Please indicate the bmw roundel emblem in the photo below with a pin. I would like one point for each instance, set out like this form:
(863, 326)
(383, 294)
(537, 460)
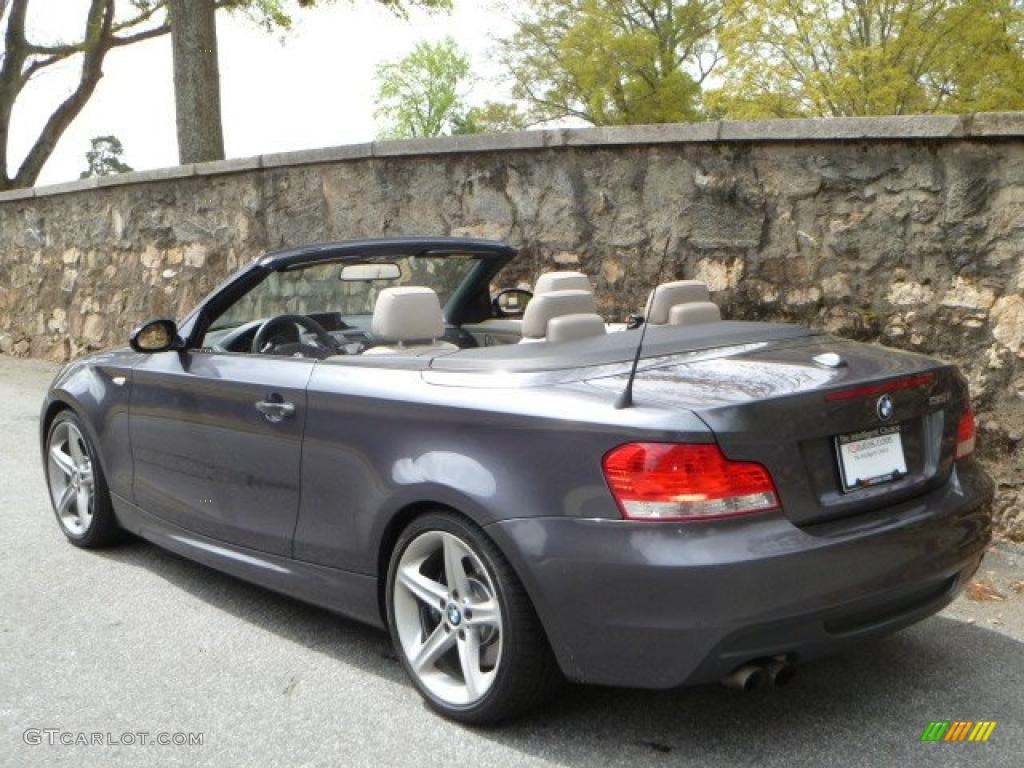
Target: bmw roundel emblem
(885, 408)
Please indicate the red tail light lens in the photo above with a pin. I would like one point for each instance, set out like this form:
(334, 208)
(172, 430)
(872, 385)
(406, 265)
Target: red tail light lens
(676, 481)
(909, 382)
(965, 434)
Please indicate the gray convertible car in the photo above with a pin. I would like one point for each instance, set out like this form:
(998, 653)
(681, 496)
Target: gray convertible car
(517, 490)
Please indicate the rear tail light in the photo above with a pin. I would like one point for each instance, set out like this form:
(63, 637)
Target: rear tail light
(965, 434)
(676, 481)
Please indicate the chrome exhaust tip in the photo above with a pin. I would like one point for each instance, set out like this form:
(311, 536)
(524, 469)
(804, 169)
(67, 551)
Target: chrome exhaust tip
(747, 677)
(780, 672)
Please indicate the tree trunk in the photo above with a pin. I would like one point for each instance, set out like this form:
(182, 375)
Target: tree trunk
(196, 80)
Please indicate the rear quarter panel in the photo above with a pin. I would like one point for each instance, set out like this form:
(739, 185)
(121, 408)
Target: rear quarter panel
(379, 441)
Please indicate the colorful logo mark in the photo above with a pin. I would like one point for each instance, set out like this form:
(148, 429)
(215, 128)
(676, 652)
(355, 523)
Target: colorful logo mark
(958, 730)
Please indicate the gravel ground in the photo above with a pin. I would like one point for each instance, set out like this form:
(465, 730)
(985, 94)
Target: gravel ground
(135, 639)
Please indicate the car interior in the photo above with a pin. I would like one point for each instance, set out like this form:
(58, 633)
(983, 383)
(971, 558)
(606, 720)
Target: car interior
(411, 307)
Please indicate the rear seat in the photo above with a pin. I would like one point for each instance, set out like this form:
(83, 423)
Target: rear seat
(561, 316)
(682, 302)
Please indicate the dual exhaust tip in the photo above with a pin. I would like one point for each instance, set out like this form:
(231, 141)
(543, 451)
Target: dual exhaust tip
(769, 673)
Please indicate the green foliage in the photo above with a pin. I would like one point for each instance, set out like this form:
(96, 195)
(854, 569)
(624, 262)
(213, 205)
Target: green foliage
(869, 57)
(423, 94)
(104, 159)
(613, 61)
(491, 117)
(279, 14)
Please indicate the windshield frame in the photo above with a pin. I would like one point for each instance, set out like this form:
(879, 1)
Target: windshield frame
(466, 304)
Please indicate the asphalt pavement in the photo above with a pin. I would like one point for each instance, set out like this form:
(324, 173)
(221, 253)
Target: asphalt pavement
(108, 645)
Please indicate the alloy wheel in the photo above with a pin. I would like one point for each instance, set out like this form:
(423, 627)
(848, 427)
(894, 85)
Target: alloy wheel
(72, 483)
(448, 618)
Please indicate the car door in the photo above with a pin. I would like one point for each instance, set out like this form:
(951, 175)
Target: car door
(217, 442)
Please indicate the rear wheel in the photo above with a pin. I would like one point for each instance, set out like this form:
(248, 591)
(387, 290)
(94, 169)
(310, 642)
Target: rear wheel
(78, 490)
(463, 625)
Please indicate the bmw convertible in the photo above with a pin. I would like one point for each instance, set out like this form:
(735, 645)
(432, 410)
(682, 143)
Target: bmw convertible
(518, 489)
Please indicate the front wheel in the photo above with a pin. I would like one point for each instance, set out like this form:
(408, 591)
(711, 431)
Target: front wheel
(463, 625)
(78, 489)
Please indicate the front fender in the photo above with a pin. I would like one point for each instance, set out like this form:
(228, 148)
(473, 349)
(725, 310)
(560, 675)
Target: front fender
(98, 390)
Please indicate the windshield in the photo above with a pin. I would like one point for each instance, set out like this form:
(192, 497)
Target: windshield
(336, 287)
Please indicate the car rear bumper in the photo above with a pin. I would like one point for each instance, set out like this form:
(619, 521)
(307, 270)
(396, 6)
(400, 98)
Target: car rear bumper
(658, 605)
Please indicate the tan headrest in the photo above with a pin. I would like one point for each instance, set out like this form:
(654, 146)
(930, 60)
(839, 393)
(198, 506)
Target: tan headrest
(562, 281)
(572, 327)
(694, 313)
(544, 306)
(668, 295)
(407, 313)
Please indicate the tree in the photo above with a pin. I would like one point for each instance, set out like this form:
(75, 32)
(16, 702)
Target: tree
(792, 58)
(613, 62)
(104, 158)
(110, 24)
(423, 94)
(491, 117)
(196, 70)
(196, 80)
(107, 25)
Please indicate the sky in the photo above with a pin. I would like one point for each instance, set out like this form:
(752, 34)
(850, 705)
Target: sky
(316, 89)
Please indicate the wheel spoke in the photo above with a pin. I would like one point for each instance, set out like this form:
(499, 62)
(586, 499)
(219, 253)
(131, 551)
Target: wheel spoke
(65, 500)
(433, 648)
(483, 614)
(82, 504)
(454, 571)
(63, 461)
(469, 657)
(77, 454)
(423, 589)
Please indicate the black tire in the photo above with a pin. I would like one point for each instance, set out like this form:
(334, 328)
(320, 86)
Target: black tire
(104, 529)
(528, 673)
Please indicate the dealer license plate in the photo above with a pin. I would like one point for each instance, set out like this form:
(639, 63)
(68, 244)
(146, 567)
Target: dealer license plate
(871, 457)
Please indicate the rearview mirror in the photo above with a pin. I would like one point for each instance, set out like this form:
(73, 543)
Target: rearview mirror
(365, 272)
(155, 336)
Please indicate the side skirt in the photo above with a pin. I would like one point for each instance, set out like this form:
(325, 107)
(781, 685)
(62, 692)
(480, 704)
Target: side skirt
(351, 594)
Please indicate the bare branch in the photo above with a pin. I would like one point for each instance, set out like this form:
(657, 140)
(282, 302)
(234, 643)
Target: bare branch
(97, 33)
(147, 34)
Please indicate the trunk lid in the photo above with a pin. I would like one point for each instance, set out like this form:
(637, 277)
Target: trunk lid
(774, 404)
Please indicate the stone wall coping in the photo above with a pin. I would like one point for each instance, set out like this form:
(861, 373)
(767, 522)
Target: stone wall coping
(991, 125)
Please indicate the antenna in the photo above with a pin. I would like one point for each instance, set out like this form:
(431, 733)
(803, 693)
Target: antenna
(625, 400)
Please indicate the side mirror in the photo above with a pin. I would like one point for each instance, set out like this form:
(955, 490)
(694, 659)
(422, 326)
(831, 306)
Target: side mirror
(511, 302)
(156, 336)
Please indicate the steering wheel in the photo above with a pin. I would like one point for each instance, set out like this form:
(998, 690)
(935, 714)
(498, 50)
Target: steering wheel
(262, 342)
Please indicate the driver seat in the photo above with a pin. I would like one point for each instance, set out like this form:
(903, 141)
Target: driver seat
(409, 320)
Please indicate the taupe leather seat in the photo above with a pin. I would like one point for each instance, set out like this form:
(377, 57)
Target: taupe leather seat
(561, 316)
(667, 298)
(562, 281)
(409, 319)
(548, 282)
(694, 313)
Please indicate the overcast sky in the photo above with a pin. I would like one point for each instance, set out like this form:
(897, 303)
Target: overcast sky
(314, 90)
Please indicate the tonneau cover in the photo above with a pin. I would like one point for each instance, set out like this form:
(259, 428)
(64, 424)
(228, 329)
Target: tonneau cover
(614, 347)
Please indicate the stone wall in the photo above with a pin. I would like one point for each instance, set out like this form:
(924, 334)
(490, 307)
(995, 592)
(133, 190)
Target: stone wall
(904, 231)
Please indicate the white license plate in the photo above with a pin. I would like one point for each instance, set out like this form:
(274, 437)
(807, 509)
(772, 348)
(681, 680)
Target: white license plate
(871, 457)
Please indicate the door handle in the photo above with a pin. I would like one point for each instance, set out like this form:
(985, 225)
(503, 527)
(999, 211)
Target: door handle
(275, 411)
